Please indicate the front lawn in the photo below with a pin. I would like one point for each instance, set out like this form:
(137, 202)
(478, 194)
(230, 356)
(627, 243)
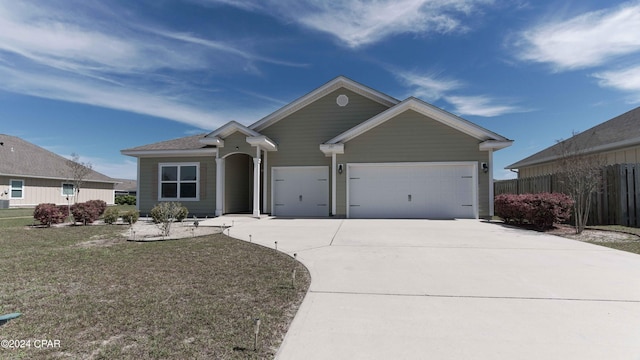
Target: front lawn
(113, 299)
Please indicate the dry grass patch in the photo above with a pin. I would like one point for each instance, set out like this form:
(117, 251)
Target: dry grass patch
(190, 298)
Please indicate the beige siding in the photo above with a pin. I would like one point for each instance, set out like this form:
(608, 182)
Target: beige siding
(412, 137)
(237, 143)
(148, 183)
(37, 191)
(300, 134)
(628, 155)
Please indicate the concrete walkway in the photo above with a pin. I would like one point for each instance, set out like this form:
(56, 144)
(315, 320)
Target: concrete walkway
(465, 289)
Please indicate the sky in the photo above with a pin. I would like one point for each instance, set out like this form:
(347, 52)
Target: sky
(93, 77)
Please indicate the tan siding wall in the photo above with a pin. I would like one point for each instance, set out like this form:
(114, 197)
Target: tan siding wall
(300, 134)
(412, 137)
(239, 140)
(37, 191)
(148, 183)
(628, 155)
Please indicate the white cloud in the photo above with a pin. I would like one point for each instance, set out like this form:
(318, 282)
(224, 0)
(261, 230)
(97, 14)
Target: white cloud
(432, 86)
(627, 79)
(90, 54)
(480, 106)
(79, 90)
(429, 86)
(358, 22)
(587, 40)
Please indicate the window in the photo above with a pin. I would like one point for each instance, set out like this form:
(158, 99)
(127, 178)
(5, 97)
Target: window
(179, 181)
(16, 189)
(67, 189)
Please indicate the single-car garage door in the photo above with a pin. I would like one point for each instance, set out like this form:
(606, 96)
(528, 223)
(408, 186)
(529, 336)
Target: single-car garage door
(300, 191)
(412, 190)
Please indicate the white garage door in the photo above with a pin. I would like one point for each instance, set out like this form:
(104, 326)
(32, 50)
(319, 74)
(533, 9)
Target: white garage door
(412, 190)
(300, 191)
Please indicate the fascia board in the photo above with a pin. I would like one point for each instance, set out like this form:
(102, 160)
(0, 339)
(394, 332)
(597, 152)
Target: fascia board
(229, 128)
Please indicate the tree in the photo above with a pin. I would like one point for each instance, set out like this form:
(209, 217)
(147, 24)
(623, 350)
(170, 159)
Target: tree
(78, 172)
(580, 173)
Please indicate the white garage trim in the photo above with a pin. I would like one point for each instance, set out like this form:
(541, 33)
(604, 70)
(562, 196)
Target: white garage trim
(314, 194)
(473, 165)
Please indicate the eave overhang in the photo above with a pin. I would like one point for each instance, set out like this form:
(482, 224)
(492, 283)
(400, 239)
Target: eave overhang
(494, 145)
(263, 142)
(330, 149)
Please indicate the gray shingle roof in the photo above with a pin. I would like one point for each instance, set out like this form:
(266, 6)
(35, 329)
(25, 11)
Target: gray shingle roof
(621, 131)
(21, 158)
(183, 143)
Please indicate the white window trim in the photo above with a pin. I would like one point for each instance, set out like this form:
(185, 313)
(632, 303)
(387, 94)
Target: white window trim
(179, 164)
(62, 184)
(11, 188)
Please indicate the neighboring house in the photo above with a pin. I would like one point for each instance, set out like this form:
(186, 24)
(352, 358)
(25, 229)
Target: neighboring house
(126, 187)
(617, 141)
(30, 175)
(341, 150)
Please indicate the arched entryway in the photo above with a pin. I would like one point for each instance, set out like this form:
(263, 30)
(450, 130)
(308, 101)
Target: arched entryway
(238, 184)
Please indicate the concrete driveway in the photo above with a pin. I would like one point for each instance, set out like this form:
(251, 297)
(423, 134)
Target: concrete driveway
(464, 289)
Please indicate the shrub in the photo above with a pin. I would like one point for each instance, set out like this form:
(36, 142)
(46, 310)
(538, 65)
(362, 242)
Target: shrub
(48, 214)
(111, 215)
(125, 200)
(85, 212)
(100, 206)
(541, 210)
(164, 214)
(131, 217)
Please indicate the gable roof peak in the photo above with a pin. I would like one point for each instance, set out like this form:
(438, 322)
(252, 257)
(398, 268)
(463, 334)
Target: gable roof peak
(340, 81)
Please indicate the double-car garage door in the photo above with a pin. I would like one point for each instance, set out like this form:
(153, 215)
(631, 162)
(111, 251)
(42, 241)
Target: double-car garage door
(412, 190)
(380, 190)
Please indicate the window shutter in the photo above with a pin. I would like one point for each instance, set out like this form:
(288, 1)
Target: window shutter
(203, 181)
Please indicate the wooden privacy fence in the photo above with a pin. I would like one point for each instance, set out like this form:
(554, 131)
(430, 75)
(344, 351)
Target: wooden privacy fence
(616, 203)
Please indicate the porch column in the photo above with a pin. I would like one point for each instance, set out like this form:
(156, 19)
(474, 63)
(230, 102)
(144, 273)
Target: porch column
(490, 164)
(256, 183)
(219, 186)
(265, 182)
(334, 170)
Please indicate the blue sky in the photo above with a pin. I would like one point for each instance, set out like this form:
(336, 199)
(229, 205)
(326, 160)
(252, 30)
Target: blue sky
(94, 77)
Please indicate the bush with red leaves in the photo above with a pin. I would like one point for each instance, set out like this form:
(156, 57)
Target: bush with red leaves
(86, 212)
(541, 210)
(48, 214)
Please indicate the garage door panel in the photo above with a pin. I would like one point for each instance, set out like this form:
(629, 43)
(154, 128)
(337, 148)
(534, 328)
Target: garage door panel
(419, 190)
(300, 191)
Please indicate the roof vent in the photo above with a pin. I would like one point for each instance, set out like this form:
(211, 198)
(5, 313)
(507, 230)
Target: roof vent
(342, 100)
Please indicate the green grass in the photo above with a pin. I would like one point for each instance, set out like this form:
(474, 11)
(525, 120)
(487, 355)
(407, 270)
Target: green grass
(190, 298)
(633, 247)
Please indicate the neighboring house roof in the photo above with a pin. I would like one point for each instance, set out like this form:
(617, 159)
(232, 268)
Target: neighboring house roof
(621, 131)
(24, 159)
(126, 185)
(189, 145)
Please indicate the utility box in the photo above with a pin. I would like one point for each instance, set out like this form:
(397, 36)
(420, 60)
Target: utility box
(4, 204)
